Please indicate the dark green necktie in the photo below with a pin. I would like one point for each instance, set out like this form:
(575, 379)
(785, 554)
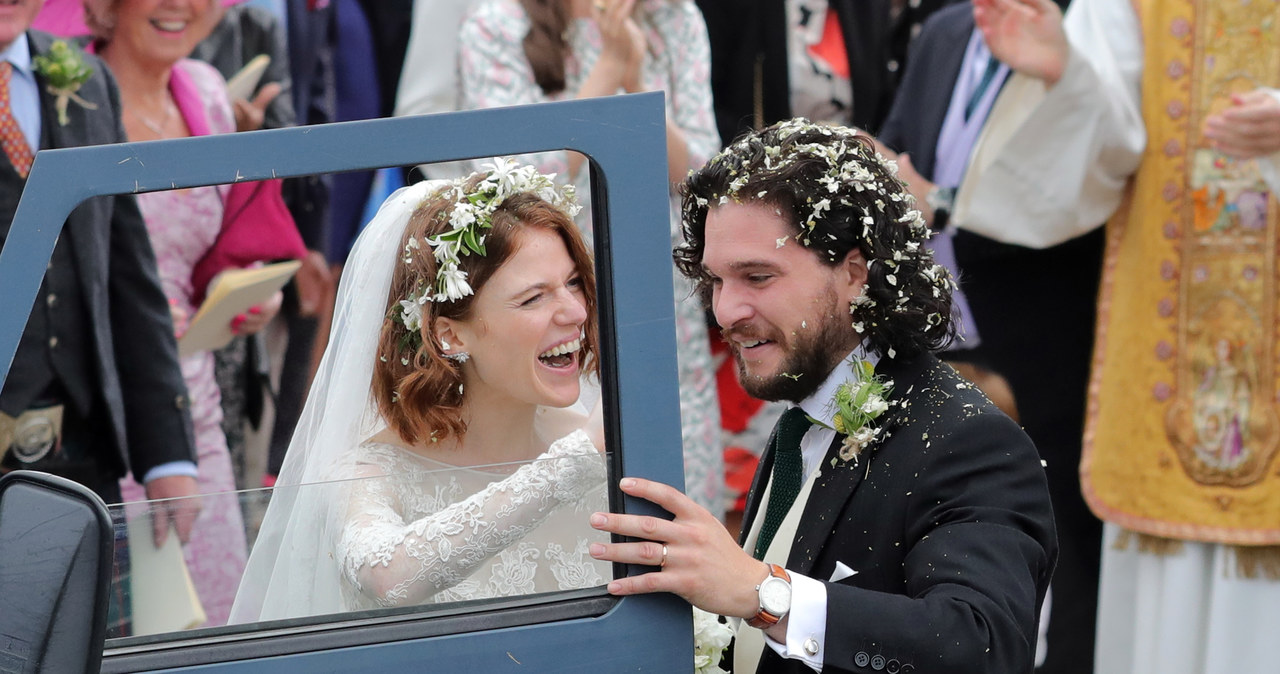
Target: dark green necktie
(976, 97)
(787, 470)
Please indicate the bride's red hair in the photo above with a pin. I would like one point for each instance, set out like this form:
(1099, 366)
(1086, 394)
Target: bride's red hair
(416, 388)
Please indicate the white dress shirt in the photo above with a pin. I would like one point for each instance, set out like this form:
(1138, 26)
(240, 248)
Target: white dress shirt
(807, 620)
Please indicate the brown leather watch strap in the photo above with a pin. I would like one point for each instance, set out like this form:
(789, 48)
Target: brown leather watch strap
(763, 619)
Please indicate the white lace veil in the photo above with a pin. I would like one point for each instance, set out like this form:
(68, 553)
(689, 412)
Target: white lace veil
(292, 570)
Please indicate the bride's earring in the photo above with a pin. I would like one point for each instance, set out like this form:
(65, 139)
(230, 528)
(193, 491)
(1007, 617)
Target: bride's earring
(459, 357)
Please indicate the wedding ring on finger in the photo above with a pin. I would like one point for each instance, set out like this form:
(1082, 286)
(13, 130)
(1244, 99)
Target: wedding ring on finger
(663, 563)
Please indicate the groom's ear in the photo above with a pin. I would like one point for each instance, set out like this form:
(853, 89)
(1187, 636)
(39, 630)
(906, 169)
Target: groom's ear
(448, 335)
(852, 274)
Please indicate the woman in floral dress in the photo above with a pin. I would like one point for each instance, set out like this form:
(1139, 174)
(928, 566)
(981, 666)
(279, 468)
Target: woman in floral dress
(166, 95)
(516, 52)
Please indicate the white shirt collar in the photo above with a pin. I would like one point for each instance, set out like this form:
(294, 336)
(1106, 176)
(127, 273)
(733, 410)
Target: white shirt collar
(19, 54)
(820, 405)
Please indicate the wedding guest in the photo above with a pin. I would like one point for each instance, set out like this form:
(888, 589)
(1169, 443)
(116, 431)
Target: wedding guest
(99, 341)
(446, 392)
(899, 521)
(243, 33)
(309, 32)
(166, 95)
(513, 52)
(1161, 119)
(828, 60)
(1033, 307)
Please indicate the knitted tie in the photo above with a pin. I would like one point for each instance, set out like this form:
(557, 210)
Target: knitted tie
(787, 470)
(15, 144)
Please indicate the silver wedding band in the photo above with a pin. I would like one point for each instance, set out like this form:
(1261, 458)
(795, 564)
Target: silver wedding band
(663, 563)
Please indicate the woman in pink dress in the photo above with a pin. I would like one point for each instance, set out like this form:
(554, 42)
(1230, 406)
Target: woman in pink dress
(166, 95)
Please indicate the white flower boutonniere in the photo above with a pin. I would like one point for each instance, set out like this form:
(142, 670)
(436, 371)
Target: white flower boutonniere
(710, 638)
(64, 71)
(858, 402)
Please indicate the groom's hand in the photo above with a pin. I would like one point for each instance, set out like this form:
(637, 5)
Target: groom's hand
(704, 565)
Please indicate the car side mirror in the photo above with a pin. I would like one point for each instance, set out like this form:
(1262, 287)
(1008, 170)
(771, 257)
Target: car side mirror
(56, 548)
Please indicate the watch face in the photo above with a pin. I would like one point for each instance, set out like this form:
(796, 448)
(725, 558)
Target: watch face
(775, 596)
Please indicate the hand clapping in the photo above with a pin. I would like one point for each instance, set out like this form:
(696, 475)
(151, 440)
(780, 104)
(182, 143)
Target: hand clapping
(1249, 128)
(1026, 35)
(623, 43)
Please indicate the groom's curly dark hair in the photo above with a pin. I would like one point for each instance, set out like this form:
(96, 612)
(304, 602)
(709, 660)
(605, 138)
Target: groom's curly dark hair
(838, 194)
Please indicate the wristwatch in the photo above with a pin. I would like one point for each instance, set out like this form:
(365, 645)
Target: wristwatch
(941, 200)
(775, 598)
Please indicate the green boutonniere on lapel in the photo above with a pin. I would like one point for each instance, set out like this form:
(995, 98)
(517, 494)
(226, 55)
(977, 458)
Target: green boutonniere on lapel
(857, 403)
(64, 71)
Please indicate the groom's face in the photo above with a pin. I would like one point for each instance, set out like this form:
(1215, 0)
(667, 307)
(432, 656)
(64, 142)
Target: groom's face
(15, 18)
(784, 312)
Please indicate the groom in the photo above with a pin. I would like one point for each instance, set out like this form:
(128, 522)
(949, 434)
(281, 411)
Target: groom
(919, 536)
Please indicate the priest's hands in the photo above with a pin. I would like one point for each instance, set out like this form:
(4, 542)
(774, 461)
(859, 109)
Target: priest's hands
(1249, 128)
(703, 564)
(1026, 35)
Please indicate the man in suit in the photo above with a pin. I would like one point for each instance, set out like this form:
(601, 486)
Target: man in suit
(1035, 308)
(99, 344)
(759, 49)
(310, 33)
(918, 536)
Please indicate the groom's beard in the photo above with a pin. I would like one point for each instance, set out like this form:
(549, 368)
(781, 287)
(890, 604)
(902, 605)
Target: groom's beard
(813, 355)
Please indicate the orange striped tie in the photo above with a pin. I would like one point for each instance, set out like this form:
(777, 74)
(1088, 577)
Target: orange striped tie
(15, 144)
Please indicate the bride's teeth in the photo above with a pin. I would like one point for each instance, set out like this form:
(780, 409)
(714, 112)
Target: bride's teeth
(568, 347)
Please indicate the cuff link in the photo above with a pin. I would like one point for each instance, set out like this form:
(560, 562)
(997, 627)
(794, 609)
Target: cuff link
(811, 646)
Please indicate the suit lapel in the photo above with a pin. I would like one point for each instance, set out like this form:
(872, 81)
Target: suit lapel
(838, 479)
(757, 486)
(78, 230)
(59, 136)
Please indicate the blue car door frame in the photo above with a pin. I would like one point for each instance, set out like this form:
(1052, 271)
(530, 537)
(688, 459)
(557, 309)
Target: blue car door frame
(585, 630)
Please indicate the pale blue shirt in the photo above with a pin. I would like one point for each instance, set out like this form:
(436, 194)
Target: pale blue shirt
(24, 93)
(807, 620)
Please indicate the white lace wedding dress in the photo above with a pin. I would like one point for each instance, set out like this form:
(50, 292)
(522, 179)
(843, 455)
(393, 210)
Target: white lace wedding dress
(420, 531)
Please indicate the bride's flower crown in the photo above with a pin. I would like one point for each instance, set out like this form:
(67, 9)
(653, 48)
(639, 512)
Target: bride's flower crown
(470, 215)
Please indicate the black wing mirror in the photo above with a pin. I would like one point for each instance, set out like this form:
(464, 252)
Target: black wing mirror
(56, 547)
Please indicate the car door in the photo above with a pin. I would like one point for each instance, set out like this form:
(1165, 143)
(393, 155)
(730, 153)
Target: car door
(579, 630)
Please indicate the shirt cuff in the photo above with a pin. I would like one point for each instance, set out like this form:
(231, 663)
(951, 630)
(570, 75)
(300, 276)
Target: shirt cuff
(173, 468)
(806, 623)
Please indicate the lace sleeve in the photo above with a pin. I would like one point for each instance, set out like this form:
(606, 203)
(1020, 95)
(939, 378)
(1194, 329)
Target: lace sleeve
(398, 562)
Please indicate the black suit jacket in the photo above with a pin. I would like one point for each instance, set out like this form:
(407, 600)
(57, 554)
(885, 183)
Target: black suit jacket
(915, 120)
(947, 522)
(136, 355)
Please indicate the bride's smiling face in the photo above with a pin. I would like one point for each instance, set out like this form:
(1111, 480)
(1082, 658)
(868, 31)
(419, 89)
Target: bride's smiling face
(525, 328)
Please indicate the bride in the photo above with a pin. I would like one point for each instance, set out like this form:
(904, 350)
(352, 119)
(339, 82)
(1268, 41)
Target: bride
(442, 454)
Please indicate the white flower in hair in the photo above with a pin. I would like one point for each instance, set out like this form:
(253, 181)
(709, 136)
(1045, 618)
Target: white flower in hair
(453, 284)
(470, 215)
